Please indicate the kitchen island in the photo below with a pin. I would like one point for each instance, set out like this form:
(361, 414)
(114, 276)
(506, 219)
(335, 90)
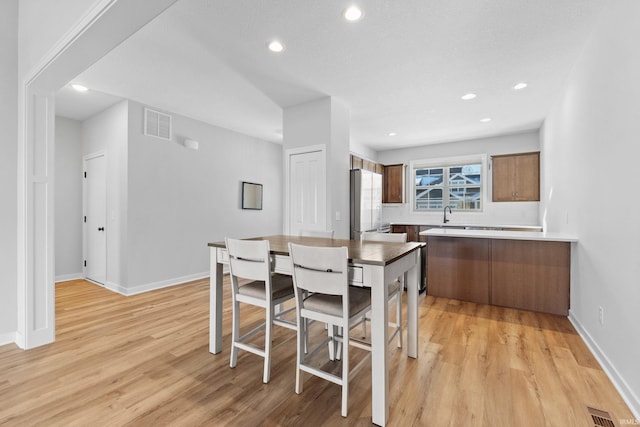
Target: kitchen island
(527, 270)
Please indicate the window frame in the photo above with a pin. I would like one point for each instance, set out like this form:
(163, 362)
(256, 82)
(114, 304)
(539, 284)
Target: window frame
(448, 162)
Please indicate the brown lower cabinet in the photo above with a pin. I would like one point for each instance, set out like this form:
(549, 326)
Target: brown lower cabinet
(524, 274)
(413, 235)
(458, 268)
(531, 275)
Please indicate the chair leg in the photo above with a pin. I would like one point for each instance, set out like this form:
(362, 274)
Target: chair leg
(332, 348)
(305, 326)
(267, 343)
(364, 325)
(399, 316)
(345, 376)
(235, 333)
(339, 343)
(302, 346)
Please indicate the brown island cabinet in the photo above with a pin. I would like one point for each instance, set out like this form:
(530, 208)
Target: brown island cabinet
(523, 270)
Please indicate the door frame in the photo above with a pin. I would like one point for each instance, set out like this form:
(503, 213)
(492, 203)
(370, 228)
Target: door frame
(85, 159)
(287, 177)
(104, 25)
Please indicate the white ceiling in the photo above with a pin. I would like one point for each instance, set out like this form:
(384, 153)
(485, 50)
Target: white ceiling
(402, 68)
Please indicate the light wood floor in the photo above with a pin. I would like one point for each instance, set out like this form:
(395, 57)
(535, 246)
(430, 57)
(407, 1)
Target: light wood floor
(144, 360)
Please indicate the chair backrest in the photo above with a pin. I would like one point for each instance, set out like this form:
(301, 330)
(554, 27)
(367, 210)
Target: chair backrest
(372, 236)
(249, 259)
(316, 233)
(320, 269)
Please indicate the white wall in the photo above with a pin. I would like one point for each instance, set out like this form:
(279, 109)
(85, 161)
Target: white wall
(180, 199)
(108, 132)
(503, 213)
(591, 157)
(325, 121)
(363, 151)
(43, 22)
(338, 170)
(307, 124)
(8, 171)
(166, 202)
(68, 199)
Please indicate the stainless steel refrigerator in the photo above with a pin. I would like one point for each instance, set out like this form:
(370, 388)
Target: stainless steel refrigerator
(366, 202)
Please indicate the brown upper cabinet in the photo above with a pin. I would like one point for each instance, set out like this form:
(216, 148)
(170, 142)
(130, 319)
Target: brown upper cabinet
(516, 177)
(364, 164)
(356, 162)
(392, 178)
(393, 184)
(368, 165)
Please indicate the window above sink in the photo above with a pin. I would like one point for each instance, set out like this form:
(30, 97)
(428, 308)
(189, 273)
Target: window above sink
(456, 182)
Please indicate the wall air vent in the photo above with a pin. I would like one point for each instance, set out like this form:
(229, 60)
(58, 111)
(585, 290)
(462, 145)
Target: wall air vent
(157, 124)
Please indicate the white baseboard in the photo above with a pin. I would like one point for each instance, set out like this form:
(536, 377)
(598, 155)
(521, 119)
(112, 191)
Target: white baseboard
(7, 338)
(114, 287)
(156, 285)
(21, 341)
(66, 277)
(628, 395)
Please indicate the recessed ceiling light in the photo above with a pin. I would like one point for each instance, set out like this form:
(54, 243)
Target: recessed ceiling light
(79, 88)
(520, 86)
(486, 120)
(275, 46)
(468, 96)
(352, 13)
(392, 134)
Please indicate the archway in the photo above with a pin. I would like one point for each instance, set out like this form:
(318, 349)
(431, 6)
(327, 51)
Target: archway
(102, 28)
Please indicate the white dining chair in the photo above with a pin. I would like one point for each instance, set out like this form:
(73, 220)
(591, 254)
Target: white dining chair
(395, 288)
(250, 259)
(328, 234)
(317, 233)
(323, 294)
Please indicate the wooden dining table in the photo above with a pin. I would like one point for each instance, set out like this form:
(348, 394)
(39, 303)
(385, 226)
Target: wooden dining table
(372, 265)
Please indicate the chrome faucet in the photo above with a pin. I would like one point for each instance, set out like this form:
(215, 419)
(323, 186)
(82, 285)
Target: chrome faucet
(445, 213)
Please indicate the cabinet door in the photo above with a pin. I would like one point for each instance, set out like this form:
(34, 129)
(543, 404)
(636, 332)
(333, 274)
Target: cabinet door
(516, 177)
(393, 184)
(398, 229)
(458, 268)
(412, 233)
(527, 177)
(411, 230)
(531, 275)
(368, 165)
(503, 171)
(420, 230)
(356, 162)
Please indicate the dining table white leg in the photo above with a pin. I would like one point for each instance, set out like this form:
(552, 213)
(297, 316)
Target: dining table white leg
(379, 353)
(413, 284)
(215, 303)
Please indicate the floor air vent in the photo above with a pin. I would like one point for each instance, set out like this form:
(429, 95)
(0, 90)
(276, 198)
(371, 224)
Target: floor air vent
(600, 418)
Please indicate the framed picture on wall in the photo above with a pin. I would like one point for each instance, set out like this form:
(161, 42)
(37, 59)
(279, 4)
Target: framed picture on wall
(251, 196)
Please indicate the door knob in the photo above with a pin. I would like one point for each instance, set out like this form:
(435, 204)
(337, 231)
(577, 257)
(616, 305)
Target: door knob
(100, 228)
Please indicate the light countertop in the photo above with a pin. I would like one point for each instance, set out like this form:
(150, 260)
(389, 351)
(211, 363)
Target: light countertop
(454, 225)
(500, 234)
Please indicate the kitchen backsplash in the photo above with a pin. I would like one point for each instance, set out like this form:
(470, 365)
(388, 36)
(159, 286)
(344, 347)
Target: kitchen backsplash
(506, 213)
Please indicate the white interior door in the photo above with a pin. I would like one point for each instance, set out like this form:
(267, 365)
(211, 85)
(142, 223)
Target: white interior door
(307, 191)
(95, 208)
